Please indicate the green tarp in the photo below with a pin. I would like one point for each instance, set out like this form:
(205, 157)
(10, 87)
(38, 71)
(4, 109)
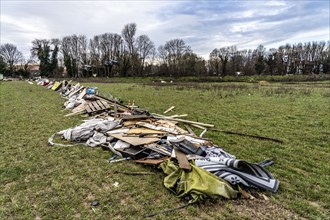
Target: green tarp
(198, 183)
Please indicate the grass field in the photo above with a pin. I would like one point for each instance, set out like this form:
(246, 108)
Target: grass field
(43, 182)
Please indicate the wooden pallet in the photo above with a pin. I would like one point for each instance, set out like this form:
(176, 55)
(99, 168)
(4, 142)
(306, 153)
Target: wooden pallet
(97, 106)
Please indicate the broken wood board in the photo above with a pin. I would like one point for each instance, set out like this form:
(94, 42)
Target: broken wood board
(75, 91)
(151, 161)
(135, 141)
(133, 117)
(97, 106)
(82, 94)
(172, 130)
(185, 121)
(81, 106)
(190, 130)
(182, 159)
(131, 123)
(119, 106)
(198, 126)
(140, 131)
(178, 116)
(170, 109)
(171, 124)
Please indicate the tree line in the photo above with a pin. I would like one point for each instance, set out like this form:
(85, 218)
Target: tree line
(125, 54)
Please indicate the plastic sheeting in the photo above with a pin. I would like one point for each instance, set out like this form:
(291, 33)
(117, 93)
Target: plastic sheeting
(97, 139)
(198, 183)
(89, 130)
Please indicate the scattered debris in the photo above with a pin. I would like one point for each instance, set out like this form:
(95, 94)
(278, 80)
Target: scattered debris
(135, 134)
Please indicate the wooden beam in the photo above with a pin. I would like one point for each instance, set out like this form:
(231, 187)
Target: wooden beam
(182, 159)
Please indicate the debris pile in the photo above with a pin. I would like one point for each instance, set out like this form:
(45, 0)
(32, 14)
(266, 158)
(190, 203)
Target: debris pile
(196, 168)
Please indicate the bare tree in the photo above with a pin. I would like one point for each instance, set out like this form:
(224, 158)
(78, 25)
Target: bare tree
(10, 55)
(223, 54)
(128, 34)
(145, 48)
(175, 50)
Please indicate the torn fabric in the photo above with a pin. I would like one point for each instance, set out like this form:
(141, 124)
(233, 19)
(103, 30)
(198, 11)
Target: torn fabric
(198, 183)
(239, 172)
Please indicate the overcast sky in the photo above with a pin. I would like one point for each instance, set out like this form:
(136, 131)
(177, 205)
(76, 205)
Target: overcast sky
(204, 25)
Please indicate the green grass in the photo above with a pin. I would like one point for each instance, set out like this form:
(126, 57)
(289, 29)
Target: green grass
(249, 79)
(39, 181)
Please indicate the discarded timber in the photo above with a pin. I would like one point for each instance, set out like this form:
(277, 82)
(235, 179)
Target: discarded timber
(183, 120)
(112, 102)
(182, 159)
(97, 106)
(175, 130)
(198, 126)
(151, 161)
(132, 117)
(76, 91)
(170, 109)
(189, 129)
(82, 94)
(135, 141)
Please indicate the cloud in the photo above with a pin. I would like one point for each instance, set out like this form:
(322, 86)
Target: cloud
(204, 25)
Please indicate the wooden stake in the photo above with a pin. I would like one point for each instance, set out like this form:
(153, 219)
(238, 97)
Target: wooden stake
(170, 109)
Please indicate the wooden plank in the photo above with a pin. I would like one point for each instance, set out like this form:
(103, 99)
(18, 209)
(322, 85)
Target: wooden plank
(82, 94)
(190, 130)
(120, 106)
(182, 159)
(100, 104)
(91, 107)
(173, 130)
(170, 109)
(135, 141)
(106, 105)
(184, 121)
(132, 117)
(76, 91)
(198, 126)
(139, 131)
(96, 106)
(151, 161)
(88, 109)
(81, 106)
